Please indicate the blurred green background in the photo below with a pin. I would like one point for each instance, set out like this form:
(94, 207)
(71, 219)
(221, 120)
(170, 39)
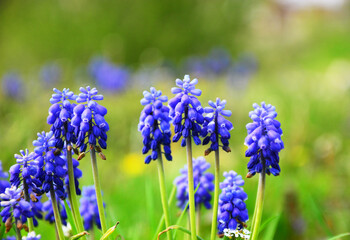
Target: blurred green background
(292, 54)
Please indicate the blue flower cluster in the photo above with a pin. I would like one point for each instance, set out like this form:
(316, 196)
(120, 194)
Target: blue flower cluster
(89, 119)
(216, 126)
(3, 179)
(232, 212)
(60, 114)
(186, 110)
(201, 177)
(89, 209)
(263, 140)
(50, 74)
(49, 213)
(25, 169)
(154, 125)
(14, 206)
(12, 86)
(108, 76)
(32, 236)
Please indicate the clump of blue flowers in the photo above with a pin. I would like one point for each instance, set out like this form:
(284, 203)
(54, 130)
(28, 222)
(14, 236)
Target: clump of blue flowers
(154, 125)
(186, 110)
(89, 119)
(24, 170)
(200, 177)
(89, 209)
(232, 213)
(263, 140)
(216, 127)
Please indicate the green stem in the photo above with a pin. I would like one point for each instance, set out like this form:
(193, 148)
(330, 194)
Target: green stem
(214, 221)
(101, 211)
(18, 233)
(72, 194)
(191, 188)
(254, 215)
(198, 218)
(27, 198)
(259, 203)
(56, 214)
(163, 192)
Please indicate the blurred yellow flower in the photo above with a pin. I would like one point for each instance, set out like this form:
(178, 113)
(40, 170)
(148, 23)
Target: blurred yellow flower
(133, 164)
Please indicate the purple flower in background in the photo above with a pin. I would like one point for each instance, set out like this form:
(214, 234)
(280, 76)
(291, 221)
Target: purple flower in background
(232, 212)
(60, 114)
(89, 119)
(186, 110)
(263, 140)
(9, 238)
(48, 210)
(89, 209)
(218, 61)
(201, 177)
(232, 179)
(4, 183)
(12, 86)
(216, 126)
(154, 125)
(108, 76)
(14, 206)
(50, 74)
(32, 236)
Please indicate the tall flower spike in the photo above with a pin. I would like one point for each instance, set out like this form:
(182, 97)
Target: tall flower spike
(89, 120)
(60, 114)
(216, 126)
(14, 206)
(263, 140)
(25, 169)
(232, 213)
(154, 125)
(186, 110)
(201, 177)
(89, 209)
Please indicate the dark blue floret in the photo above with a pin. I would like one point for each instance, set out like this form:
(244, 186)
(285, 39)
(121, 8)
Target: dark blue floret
(201, 177)
(263, 140)
(215, 127)
(89, 208)
(89, 119)
(154, 125)
(4, 183)
(232, 212)
(186, 110)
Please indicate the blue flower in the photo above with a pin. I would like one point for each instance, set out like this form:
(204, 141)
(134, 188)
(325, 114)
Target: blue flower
(263, 140)
(32, 236)
(232, 179)
(201, 177)
(49, 213)
(154, 125)
(89, 209)
(25, 169)
(216, 126)
(9, 238)
(60, 114)
(12, 86)
(89, 119)
(3, 179)
(108, 76)
(14, 206)
(232, 212)
(186, 110)
(50, 74)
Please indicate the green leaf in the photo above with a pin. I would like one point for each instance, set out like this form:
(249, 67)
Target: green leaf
(319, 215)
(175, 227)
(269, 220)
(79, 235)
(271, 225)
(2, 230)
(70, 217)
(339, 236)
(109, 232)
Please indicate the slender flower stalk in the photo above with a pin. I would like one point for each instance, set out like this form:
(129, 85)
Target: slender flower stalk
(18, 234)
(27, 198)
(264, 144)
(216, 196)
(57, 214)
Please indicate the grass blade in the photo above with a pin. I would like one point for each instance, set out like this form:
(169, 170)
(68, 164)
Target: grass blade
(339, 236)
(175, 227)
(70, 217)
(269, 220)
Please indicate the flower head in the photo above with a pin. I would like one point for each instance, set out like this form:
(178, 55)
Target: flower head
(154, 125)
(186, 110)
(216, 126)
(89, 119)
(263, 140)
(232, 212)
(60, 114)
(89, 208)
(12, 86)
(32, 236)
(3, 179)
(200, 177)
(50, 74)
(25, 169)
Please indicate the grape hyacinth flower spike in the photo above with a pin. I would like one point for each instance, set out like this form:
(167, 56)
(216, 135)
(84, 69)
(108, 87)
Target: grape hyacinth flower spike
(32, 236)
(187, 114)
(233, 213)
(216, 128)
(264, 144)
(60, 117)
(4, 183)
(89, 122)
(154, 126)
